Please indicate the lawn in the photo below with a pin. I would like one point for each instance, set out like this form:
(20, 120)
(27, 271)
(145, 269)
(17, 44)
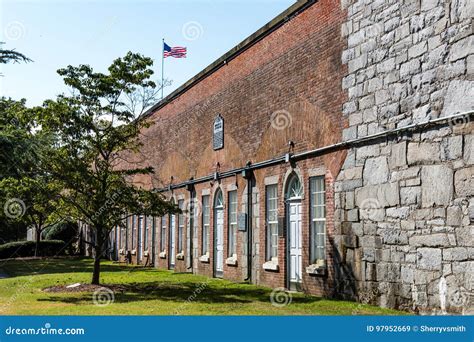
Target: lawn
(148, 291)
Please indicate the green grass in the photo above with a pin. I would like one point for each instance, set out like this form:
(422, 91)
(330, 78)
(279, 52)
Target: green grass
(148, 291)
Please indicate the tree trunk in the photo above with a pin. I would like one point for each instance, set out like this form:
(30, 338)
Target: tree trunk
(96, 273)
(38, 239)
(97, 256)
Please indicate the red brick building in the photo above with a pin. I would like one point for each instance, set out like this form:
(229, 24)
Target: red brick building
(330, 152)
(230, 148)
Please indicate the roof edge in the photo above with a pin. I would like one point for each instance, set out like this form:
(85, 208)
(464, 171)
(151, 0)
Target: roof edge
(245, 44)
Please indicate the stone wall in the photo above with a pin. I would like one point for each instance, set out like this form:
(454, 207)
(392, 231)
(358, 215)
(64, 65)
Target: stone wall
(404, 205)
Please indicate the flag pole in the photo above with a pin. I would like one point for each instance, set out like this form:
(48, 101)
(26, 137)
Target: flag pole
(162, 66)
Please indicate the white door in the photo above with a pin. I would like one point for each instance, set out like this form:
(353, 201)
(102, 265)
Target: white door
(140, 239)
(172, 255)
(219, 242)
(295, 258)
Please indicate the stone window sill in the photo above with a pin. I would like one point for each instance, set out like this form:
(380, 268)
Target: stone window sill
(232, 261)
(146, 253)
(271, 265)
(319, 268)
(134, 252)
(122, 251)
(163, 255)
(204, 258)
(180, 256)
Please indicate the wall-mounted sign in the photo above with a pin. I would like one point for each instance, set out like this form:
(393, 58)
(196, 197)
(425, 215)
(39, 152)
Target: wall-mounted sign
(242, 222)
(218, 133)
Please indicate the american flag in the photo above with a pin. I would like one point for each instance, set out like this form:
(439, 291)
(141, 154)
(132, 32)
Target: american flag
(175, 51)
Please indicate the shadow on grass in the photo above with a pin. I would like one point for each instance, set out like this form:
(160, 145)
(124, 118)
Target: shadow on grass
(180, 293)
(26, 267)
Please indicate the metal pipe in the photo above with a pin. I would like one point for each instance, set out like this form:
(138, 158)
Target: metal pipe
(318, 151)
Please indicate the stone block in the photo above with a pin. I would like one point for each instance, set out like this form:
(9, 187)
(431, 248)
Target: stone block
(376, 171)
(455, 254)
(462, 48)
(436, 185)
(428, 259)
(378, 196)
(410, 195)
(469, 149)
(454, 216)
(464, 182)
(398, 212)
(407, 274)
(459, 97)
(423, 153)
(452, 148)
(398, 156)
(431, 240)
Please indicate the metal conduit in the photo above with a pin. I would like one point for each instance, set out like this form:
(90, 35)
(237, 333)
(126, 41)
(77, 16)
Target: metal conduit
(318, 151)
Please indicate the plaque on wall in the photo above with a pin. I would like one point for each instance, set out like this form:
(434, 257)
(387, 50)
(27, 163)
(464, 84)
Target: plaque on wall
(218, 133)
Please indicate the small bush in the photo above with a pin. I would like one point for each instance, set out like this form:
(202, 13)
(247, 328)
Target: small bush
(66, 231)
(23, 249)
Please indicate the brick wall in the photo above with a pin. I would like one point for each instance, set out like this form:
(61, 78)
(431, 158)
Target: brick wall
(285, 87)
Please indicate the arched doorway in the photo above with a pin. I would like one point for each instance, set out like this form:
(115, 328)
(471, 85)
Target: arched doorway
(293, 197)
(218, 234)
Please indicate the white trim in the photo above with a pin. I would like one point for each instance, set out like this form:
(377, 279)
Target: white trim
(232, 261)
(204, 258)
(271, 265)
(206, 192)
(162, 255)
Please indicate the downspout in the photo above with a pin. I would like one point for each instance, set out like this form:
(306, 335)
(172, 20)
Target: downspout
(192, 196)
(248, 175)
(153, 237)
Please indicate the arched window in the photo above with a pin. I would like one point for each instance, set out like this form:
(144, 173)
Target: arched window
(219, 200)
(294, 189)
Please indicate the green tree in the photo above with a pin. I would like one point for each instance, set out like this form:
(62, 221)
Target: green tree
(33, 200)
(97, 126)
(11, 56)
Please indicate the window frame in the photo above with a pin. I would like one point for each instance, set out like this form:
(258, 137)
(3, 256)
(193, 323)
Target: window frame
(134, 231)
(232, 225)
(271, 250)
(205, 226)
(314, 247)
(146, 231)
(181, 227)
(163, 229)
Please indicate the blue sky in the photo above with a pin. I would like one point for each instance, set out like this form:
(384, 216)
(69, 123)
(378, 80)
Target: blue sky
(58, 33)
